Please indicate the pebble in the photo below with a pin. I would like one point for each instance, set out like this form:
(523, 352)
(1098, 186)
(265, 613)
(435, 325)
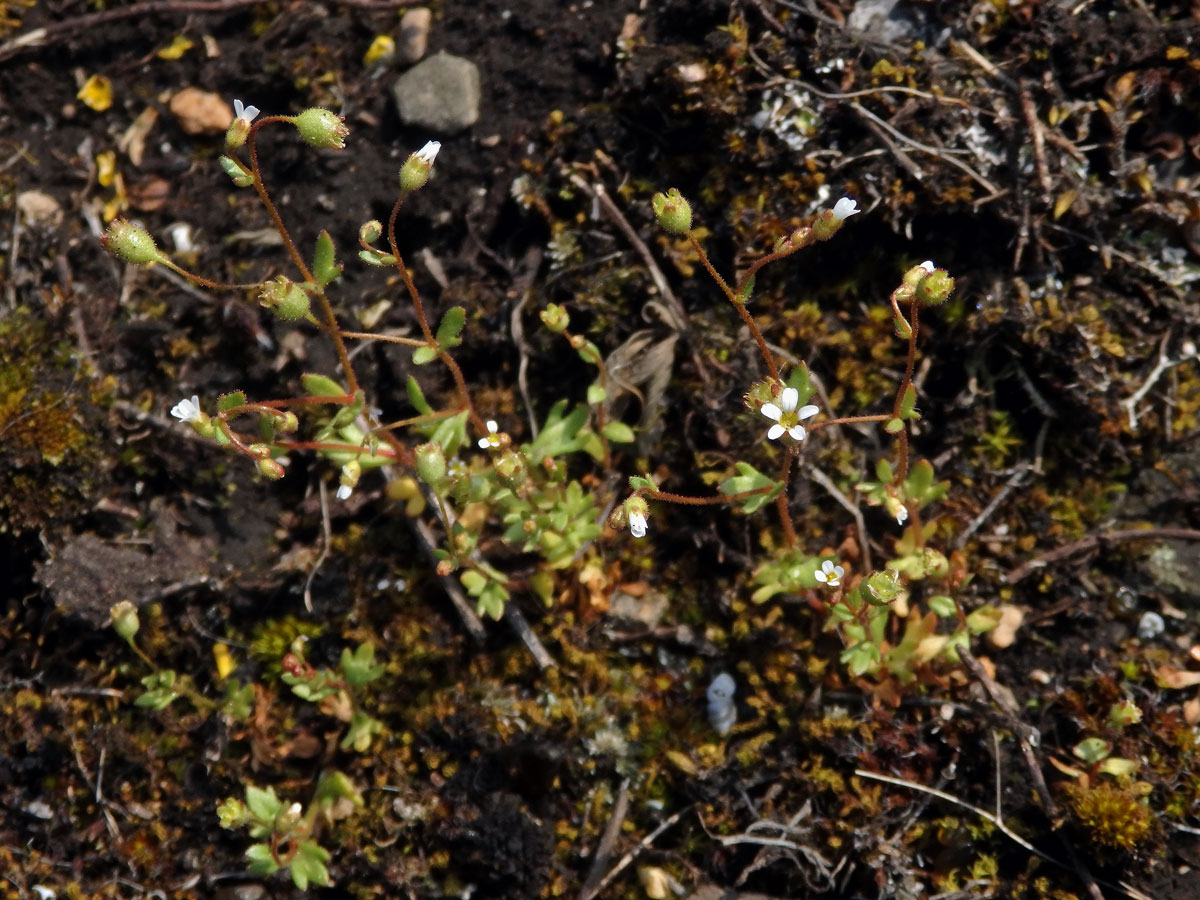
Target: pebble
(1150, 626)
(38, 208)
(722, 711)
(413, 35)
(440, 94)
(201, 112)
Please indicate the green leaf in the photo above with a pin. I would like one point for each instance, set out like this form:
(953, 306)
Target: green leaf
(261, 860)
(239, 698)
(348, 413)
(746, 292)
(231, 401)
(160, 690)
(308, 865)
(424, 355)
(452, 324)
(908, 404)
(473, 581)
(798, 379)
(942, 606)
(325, 269)
(320, 386)
(883, 471)
(371, 258)
(333, 786)
(618, 433)
(362, 729)
(359, 667)
(596, 395)
(417, 398)
(750, 479)
(638, 482)
(893, 426)
(263, 803)
(560, 435)
(1092, 750)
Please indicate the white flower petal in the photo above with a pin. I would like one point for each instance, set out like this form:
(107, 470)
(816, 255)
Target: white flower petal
(797, 432)
(637, 525)
(807, 412)
(344, 491)
(819, 575)
(774, 432)
(429, 152)
(845, 208)
(901, 516)
(187, 410)
(788, 399)
(771, 411)
(244, 112)
(928, 266)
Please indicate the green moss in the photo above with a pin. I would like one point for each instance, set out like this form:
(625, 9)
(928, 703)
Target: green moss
(1112, 816)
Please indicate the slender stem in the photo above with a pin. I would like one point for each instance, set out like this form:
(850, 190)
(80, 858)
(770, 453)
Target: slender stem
(423, 321)
(740, 307)
(390, 338)
(781, 503)
(331, 322)
(685, 500)
(909, 367)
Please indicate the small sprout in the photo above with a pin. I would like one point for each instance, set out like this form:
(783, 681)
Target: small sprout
(322, 129)
(415, 171)
(125, 622)
(722, 711)
(786, 417)
(829, 574)
(674, 213)
(130, 243)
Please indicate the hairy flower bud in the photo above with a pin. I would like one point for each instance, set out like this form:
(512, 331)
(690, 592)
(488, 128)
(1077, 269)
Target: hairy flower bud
(130, 243)
(270, 468)
(415, 171)
(673, 212)
(935, 288)
(555, 318)
(285, 298)
(321, 128)
(510, 466)
(431, 464)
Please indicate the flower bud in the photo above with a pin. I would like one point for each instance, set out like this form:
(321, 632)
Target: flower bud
(415, 171)
(270, 469)
(237, 174)
(917, 274)
(431, 464)
(555, 318)
(285, 298)
(636, 511)
(510, 466)
(260, 451)
(673, 212)
(369, 232)
(289, 423)
(321, 128)
(130, 243)
(935, 288)
(124, 618)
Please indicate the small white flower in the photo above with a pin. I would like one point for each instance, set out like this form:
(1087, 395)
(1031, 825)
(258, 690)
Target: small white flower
(187, 410)
(429, 152)
(901, 515)
(786, 417)
(492, 439)
(829, 573)
(844, 209)
(344, 491)
(244, 112)
(928, 266)
(637, 525)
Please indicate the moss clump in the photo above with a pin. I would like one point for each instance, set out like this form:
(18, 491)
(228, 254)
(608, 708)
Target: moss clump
(1113, 816)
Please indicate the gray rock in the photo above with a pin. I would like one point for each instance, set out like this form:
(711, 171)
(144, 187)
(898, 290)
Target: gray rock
(440, 94)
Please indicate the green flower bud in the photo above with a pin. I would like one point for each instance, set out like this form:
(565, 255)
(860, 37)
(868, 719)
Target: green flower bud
(673, 212)
(415, 171)
(238, 131)
(130, 243)
(124, 617)
(431, 464)
(555, 318)
(935, 288)
(237, 174)
(285, 298)
(321, 128)
(289, 423)
(882, 587)
(510, 466)
(370, 231)
(270, 469)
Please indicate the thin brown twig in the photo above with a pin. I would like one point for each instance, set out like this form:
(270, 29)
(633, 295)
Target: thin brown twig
(1093, 541)
(632, 854)
(608, 841)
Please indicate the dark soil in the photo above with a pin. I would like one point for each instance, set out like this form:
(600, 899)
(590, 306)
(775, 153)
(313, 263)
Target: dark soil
(1046, 153)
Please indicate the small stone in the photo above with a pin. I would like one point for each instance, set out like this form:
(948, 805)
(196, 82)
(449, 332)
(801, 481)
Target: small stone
(412, 38)
(440, 94)
(38, 208)
(201, 112)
